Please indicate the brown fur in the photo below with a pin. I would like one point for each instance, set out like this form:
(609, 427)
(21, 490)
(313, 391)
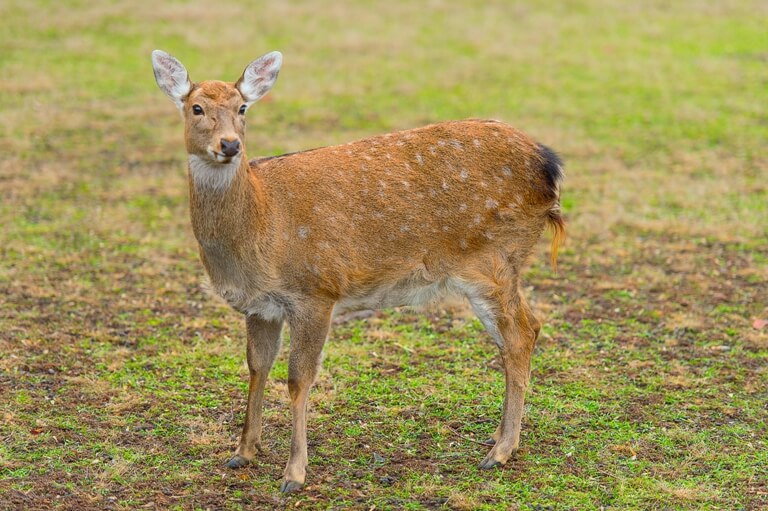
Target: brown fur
(388, 220)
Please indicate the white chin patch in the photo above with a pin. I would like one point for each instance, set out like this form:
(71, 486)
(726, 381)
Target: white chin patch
(213, 176)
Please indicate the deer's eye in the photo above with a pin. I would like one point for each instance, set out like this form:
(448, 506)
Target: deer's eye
(197, 110)
(243, 109)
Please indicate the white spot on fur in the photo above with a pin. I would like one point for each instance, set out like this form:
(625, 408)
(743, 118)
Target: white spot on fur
(419, 159)
(476, 142)
(457, 145)
(491, 203)
(464, 174)
(463, 244)
(303, 232)
(477, 219)
(462, 207)
(506, 171)
(404, 228)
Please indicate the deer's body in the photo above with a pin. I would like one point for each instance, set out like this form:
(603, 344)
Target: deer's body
(385, 221)
(398, 219)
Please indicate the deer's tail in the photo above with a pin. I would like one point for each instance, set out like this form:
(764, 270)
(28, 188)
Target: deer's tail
(552, 168)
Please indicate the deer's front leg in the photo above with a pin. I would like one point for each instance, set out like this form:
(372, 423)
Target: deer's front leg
(308, 334)
(263, 346)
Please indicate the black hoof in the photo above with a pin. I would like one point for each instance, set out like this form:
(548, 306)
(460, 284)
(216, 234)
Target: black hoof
(290, 486)
(237, 461)
(489, 441)
(489, 463)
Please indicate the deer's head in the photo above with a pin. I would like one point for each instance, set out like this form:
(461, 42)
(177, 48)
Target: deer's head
(214, 111)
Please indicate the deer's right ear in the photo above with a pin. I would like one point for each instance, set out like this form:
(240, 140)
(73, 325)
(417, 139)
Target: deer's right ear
(171, 77)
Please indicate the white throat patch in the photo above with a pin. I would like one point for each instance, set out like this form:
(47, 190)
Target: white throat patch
(212, 176)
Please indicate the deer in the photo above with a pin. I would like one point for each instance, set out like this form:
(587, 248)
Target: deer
(404, 218)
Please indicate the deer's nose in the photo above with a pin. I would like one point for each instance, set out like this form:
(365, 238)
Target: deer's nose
(230, 147)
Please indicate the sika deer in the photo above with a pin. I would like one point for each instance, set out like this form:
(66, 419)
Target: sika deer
(398, 219)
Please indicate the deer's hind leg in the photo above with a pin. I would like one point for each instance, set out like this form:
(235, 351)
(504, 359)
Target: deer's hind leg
(510, 321)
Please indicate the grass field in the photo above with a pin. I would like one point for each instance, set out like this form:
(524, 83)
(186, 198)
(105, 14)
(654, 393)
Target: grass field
(122, 384)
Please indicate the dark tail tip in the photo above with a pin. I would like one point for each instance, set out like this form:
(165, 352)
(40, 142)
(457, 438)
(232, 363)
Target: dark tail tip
(552, 167)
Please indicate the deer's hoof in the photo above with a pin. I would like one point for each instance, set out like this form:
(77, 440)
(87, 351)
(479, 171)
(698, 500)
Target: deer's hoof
(237, 461)
(489, 463)
(290, 486)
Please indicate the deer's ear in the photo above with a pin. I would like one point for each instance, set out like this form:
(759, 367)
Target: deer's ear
(171, 77)
(259, 77)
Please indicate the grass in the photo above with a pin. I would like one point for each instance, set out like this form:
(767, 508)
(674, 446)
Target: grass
(122, 385)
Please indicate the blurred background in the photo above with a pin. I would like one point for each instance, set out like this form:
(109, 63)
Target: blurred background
(660, 111)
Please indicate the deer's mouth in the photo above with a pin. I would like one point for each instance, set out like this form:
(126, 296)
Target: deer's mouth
(222, 158)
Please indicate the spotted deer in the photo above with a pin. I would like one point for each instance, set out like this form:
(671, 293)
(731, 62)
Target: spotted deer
(398, 219)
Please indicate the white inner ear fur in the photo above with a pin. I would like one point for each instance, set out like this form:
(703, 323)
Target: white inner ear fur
(171, 77)
(259, 77)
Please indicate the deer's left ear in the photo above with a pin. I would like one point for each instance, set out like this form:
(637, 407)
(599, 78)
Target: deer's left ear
(259, 77)
(171, 77)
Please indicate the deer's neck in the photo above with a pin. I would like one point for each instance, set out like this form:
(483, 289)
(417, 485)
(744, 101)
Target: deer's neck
(227, 203)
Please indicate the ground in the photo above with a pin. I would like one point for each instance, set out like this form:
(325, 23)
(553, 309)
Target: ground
(122, 383)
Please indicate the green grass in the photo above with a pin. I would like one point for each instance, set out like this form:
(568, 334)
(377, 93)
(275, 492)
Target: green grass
(122, 384)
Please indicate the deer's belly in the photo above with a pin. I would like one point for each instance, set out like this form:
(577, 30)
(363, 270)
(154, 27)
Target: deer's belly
(405, 292)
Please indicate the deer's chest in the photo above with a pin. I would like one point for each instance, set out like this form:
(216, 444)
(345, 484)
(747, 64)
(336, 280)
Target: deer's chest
(241, 283)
